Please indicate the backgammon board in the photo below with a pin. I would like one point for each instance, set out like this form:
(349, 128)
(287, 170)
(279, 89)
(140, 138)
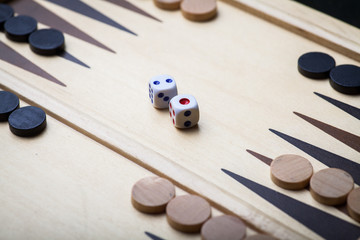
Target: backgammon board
(74, 180)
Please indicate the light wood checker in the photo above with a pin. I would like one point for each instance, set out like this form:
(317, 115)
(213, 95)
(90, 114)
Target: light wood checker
(244, 78)
(199, 10)
(168, 4)
(331, 186)
(152, 194)
(224, 227)
(63, 185)
(291, 171)
(353, 204)
(187, 213)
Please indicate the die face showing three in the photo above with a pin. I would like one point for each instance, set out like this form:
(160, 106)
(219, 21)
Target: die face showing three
(184, 111)
(162, 89)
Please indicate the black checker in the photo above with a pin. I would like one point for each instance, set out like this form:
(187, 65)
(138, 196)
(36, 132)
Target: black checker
(27, 121)
(6, 12)
(9, 102)
(315, 65)
(47, 42)
(20, 27)
(346, 79)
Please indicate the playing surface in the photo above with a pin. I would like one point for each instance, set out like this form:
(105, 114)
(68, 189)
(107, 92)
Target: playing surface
(242, 71)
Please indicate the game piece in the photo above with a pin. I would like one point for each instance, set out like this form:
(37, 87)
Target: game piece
(291, 171)
(6, 12)
(152, 194)
(27, 121)
(184, 111)
(47, 42)
(188, 213)
(19, 28)
(162, 89)
(9, 102)
(260, 237)
(168, 4)
(331, 186)
(353, 204)
(315, 65)
(225, 227)
(346, 79)
(198, 10)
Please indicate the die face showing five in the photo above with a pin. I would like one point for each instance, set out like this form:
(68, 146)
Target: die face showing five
(184, 111)
(162, 89)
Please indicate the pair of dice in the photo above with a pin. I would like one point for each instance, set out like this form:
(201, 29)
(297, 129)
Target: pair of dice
(183, 108)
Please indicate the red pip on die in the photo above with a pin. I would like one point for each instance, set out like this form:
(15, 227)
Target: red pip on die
(184, 111)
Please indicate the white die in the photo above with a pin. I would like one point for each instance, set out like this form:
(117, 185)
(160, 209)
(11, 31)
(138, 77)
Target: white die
(184, 111)
(162, 89)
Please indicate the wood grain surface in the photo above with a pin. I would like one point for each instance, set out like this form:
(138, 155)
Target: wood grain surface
(260, 237)
(241, 69)
(63, 185)
(307, 22)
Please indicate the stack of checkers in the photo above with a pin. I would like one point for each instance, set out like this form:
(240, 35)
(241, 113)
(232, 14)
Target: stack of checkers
(23, 28)
(343, 78)
(186, 213)
(194, 10)
(24, 122)
(330, 186)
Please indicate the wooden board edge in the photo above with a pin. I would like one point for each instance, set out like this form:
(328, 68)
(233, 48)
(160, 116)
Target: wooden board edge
(147, 158)
(308, 29)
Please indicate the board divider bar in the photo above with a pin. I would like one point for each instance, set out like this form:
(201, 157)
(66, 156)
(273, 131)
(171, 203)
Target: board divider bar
(147, 158)
(326, 36)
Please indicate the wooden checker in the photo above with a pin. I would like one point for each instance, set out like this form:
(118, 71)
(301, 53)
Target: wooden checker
(168, 4)
(198, 10)
(224, 227)
(353, 204)
(152, 194)
(291, 171)
(254, 106)
(188, 213)
(331, 186)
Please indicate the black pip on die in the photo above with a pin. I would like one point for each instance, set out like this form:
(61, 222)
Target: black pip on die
(184, 111)
(162, 89)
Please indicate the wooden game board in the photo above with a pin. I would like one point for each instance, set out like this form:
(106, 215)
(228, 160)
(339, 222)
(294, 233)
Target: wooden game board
(243, 72)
